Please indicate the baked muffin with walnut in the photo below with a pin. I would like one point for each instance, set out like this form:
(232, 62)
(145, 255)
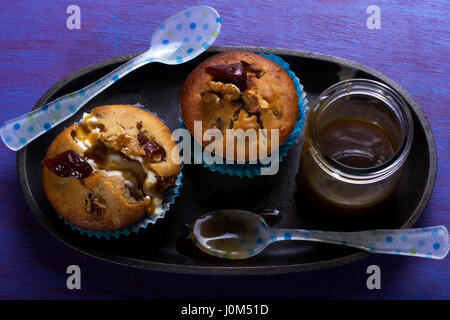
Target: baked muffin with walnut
(240, 90)
(110, 169)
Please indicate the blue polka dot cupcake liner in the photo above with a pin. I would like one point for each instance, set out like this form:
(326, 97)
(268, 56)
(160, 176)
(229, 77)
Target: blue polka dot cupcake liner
(251, 170)
(170, 194)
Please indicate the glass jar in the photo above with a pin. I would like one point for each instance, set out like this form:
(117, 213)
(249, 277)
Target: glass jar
(342, 188)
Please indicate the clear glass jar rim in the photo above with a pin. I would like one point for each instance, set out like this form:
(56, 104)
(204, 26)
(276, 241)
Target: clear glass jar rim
(375, 172)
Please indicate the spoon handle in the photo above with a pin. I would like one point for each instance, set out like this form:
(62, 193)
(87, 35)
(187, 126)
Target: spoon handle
(432, 242)
(18, 132)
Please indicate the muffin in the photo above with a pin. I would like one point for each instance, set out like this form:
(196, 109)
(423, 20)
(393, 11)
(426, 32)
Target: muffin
(110, 170)
(240, 90)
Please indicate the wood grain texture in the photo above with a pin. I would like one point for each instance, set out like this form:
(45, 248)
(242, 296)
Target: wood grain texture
(412, 47)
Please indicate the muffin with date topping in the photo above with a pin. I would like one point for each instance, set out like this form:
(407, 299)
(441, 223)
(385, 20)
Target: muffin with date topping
(110, 170)
(240, 90)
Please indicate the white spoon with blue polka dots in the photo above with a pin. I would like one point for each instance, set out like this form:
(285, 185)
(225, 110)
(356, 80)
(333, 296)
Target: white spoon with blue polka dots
(180, 38)
(237, 234)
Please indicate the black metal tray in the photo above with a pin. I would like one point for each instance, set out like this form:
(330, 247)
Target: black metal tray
(157, 87)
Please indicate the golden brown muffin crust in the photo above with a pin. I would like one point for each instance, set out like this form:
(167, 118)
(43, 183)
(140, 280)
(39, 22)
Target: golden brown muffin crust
(269, 102)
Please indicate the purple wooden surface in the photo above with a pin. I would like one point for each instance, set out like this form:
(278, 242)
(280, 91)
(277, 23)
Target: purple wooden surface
(412, 47)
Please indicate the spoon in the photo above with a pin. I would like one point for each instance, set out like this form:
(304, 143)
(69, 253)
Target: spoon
(180, 38)
(238, 234)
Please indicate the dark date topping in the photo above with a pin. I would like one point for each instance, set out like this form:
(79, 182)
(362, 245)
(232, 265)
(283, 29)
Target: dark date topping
(234, 73)
(252, 69)
(142, 138)
(164, 182)
(154, 152)
(169, 180)
(69, 164)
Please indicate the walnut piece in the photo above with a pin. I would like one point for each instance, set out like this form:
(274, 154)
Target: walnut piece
(254, 102)
(153, 152)
(245, 122)
(228, 90)
(210, 97)
(251, 103)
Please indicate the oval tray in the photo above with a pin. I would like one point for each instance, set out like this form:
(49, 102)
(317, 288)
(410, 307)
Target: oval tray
(157, 87)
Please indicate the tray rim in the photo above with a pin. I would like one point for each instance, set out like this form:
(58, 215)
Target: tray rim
(236, 270)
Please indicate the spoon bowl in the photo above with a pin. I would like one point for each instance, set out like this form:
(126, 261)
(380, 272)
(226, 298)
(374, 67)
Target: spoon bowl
(238, 234)
(230, 234)
(185, 35)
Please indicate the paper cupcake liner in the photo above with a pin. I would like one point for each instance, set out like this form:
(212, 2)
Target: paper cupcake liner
(169, 198)
(252, 170)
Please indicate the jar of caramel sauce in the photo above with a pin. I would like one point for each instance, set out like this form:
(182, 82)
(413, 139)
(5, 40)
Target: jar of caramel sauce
(357, 138)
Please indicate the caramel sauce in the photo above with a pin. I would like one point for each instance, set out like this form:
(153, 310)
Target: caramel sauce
(83, 132)
(186, 247)
(225, 231)
(110, 160)
(356, 143)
